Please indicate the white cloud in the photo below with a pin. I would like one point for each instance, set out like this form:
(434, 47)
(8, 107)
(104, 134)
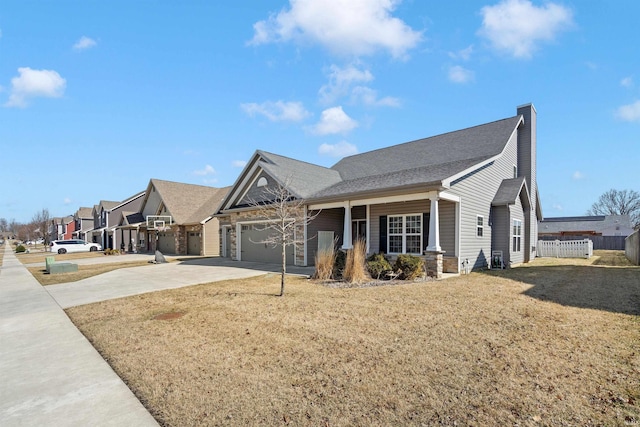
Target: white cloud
(458, 74)
(341, 149)
(341, 80)
(341, 84)
(369, 97)
(84, 43)
(517, 26)
(35, 83)
(627, 82)
(352, 28)
(239, 163)
(557, 207)
(278, 111)
(67, 201)
(593, 66)
(629, 113)
(334, 120)
(208, 170)
(577, 175)
(464, 54)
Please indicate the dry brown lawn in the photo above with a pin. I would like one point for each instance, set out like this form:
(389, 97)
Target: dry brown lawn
(36, 257)
(553, 343)
(84, 271)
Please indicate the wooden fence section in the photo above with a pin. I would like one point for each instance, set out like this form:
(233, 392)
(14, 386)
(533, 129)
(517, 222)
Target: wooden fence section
(612, 243)
(565, 249)
(632, 248)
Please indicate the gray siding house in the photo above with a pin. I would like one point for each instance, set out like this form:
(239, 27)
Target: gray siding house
(107, 216)
(456, 198)
(83, 219)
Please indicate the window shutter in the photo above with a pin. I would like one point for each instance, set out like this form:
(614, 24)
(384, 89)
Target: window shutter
(425, 230)
(383, 234)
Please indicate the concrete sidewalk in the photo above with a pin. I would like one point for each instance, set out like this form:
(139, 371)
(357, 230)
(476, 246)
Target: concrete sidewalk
(49, 373)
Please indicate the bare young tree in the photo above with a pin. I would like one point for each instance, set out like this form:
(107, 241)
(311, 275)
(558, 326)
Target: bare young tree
(14, 227)
(40, 222)
(616, 202)
(284, 219)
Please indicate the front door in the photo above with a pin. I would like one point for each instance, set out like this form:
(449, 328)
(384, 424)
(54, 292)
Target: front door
(359, 230)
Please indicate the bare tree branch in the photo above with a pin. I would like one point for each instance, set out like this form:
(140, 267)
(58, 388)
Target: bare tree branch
(616, 202)
(285, 217)
(40, 222)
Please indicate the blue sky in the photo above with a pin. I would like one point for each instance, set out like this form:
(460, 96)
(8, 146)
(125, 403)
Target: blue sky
(97, 97)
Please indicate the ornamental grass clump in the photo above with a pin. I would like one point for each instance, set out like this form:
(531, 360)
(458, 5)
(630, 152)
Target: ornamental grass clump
(325, 260)
(354, 269)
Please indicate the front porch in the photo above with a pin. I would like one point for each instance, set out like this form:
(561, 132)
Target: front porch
(423, 224)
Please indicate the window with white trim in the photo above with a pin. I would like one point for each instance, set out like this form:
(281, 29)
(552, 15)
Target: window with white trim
(404, 234)
(479, 226)
(517, 234)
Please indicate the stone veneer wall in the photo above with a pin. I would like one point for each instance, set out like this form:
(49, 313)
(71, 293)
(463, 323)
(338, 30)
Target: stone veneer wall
(180, 238)
(434, 264)
(181, 232)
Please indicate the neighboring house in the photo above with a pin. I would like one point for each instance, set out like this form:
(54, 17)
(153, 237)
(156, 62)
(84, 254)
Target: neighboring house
(129, 230)
(107, 216)
(454, 198)
(68, 227)
(56, 228)
(100, 214)
(600, 225)
(176, 218)
(83, 220)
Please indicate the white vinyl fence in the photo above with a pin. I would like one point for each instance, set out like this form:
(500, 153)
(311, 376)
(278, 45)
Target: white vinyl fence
(566, 249)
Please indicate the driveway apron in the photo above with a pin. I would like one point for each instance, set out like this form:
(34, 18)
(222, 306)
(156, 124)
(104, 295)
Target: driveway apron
(49, 373)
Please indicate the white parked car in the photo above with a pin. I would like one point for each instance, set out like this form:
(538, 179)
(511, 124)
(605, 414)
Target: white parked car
(73, 245)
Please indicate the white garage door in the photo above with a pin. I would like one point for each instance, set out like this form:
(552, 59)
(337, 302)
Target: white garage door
(261, 252)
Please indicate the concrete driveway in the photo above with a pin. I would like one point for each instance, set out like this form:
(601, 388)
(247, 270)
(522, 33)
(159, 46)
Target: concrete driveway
(156, 277)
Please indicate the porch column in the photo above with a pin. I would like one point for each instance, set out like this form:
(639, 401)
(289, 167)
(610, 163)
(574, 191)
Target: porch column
(434, 227)
(346, 235)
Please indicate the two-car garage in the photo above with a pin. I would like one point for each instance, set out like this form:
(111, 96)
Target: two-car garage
(253, 248)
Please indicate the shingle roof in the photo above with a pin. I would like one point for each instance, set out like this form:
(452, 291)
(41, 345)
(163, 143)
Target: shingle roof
(108, 205)
(305, 178)
(84, 213)
(509, 191)
(598, 223)
(424, 161)
(129, 218)
(189, 203)
(462, 147)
